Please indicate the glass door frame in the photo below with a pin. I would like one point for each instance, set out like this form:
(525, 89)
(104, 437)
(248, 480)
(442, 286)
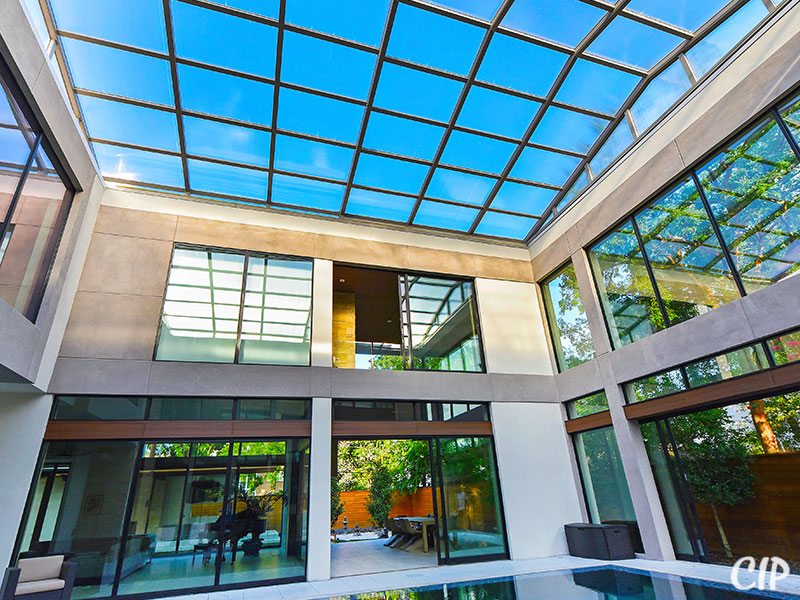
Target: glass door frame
(440, 504)
(216, 586)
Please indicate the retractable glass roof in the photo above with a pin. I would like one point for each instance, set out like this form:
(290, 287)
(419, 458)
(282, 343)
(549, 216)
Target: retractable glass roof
(476, 117)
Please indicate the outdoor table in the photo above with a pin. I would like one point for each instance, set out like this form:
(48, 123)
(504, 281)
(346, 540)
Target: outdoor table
(424, 523)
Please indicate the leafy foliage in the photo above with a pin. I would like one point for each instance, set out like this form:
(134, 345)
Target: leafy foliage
(337, 508)
(406, 460)
(380, 496)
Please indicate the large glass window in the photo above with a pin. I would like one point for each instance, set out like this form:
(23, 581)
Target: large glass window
(690, 269)
(376, 410)
(569, 326)
(202, 513)
(389, 320)
(34, 201)
(730, 227)
(214, 313)
(626, 292)
(729, 479)
(604, 484)
(78, 509)
(587, 405)
(753, 188)
(472, 519)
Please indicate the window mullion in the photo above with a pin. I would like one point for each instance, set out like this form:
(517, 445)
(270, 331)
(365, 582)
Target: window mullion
(241, 309)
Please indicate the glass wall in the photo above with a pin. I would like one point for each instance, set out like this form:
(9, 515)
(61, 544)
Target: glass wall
(729, 479)
(213, 312)
(155, 516)
(605, 487)
(376, 410)
(728, 228)
(470, 497)
(34, 201)
(566, 316)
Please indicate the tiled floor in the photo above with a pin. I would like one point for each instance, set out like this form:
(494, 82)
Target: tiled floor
(342, 586)
(371, 556)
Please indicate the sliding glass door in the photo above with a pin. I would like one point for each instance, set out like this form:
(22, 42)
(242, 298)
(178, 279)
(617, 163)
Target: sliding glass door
(468, 503)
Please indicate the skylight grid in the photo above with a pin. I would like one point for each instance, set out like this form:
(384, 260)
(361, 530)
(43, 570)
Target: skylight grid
(415, 112)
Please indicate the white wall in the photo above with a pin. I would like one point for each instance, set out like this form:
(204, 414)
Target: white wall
(514, 337)
(23, 418)
(322, 314)
(319, 491)
(539, 492)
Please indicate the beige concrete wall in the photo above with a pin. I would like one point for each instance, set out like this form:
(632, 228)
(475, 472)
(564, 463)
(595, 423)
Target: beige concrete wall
(118, 303)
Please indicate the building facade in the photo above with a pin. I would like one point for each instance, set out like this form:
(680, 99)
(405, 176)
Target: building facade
(164, 356)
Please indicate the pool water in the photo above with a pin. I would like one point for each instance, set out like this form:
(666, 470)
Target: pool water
(598, 583)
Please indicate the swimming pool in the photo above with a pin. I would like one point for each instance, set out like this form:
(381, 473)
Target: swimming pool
(596, 583)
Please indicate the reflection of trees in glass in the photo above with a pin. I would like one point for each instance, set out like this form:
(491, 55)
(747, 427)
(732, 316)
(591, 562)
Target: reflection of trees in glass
(565, 307)
(716, 459)
(605, 475)
(752, 187)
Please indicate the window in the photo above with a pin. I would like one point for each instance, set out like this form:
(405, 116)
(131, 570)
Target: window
(127, 408)
(719, 469)
(734, 363)
(368, 410)
(224, 306)
(588, 405)
(202, 513)
(34, 202)
(569, 327)
(390, 321)
(728, 228)
(605, 487)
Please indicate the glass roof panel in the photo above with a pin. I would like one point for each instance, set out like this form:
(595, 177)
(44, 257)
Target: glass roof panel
(459, 187)
(522, 198)
(223, 95)
(390, 174)
(318, 115)
(416, 93)
(477, 152)
(352, 19)
(267, 8)
(618, 141)
(483, 9)
(390, 207)
(632, 43)
(688, 14)
(402, 136)
(576, 188)
(568, 130)
(326, 66)
(133, 22)
(544, 167)
(138, 165)
(505, 226)
(596, 87)
(307, 193)
(215, 178)
(495, 112)
(226, 142)
(710, 50)
(661, 93)
(118, 72)
(312, 158)
(564, 21)
(450, 216)
(501, 65)
(223, 40)
(129, 124)
(427, 38)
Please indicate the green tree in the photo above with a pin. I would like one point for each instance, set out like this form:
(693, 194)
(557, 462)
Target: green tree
(380, 496)
(716, 459)
(337, 508)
